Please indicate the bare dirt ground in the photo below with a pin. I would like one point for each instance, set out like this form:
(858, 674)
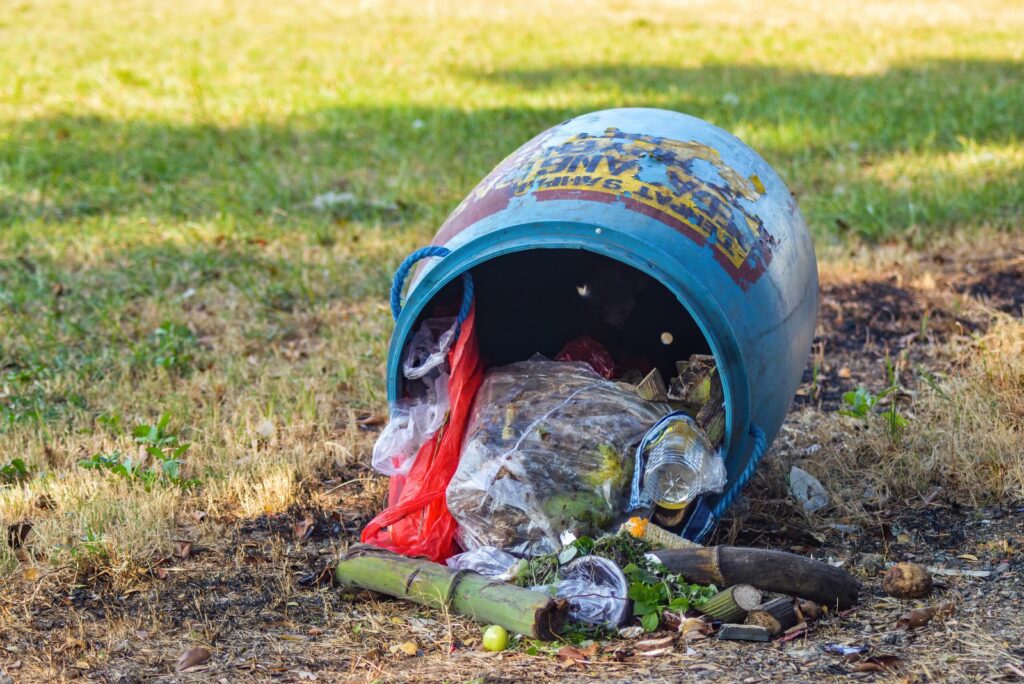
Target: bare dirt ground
(256, 592)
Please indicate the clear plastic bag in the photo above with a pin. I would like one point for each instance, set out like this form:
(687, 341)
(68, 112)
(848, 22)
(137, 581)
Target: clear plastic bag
(677, 463)
(411, 423)
(416, 418)
(549, 448)
(429, 347)
(596, 590)
(488, 561)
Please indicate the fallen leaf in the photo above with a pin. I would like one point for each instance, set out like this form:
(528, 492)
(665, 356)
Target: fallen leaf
(631, 632)
(302, 528)
(968, 557)
(794, 632)
(845, 373)
(919, 617)
(191, 658)
(160, 573)
(879, 663)
(409, 648)
(182, 548)
(696, 628)
(654, 644)
(370, 420)
(31, 573)
(199, 516)
(571, 654)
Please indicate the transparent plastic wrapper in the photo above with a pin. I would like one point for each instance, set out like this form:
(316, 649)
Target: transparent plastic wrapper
(412, 422)
(429, 347)
(549, 448)
(415, 419)
(676, 463)
(596, 590)
(488, 561)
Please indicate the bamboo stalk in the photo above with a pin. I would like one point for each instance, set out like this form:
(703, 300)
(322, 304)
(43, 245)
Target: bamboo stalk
(467, 593)
(732, 604)
(775, 571)
(776, 615)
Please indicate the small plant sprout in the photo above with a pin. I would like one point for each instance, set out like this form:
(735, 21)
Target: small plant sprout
(163, 447)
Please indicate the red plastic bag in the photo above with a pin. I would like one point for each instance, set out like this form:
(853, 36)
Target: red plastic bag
(591, 351)
(418, 523)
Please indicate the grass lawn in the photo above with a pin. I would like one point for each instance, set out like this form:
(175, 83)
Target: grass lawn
(162, 255)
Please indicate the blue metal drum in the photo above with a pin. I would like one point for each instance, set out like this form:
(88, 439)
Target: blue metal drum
(668, 198)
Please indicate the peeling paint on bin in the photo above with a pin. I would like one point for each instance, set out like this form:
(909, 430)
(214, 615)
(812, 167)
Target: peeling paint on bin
(679, 199)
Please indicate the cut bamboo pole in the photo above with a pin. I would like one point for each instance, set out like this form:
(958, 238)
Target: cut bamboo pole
(776, 615)
(467, 593)
(776, 571)
(732, 604)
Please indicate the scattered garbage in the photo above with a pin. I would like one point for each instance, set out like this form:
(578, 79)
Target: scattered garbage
(807, 490)
(417, 521)
(548, 449)
(596, 590)
(678, 463)
(486, 560)
(419, 416)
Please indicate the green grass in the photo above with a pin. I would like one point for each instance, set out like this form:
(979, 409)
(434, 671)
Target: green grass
(158, 166)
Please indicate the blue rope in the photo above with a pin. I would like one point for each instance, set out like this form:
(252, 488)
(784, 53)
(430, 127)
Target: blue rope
(760, 447)
(403, 272)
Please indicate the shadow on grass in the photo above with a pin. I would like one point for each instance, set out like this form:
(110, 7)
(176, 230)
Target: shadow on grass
(400, 164)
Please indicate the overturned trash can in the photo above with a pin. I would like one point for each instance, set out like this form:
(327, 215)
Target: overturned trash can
(656, 232)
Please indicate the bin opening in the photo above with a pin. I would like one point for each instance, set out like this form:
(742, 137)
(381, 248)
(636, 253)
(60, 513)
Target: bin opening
(536, 301)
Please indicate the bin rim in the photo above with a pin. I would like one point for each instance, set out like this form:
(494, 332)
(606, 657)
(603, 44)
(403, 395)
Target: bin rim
(606, 241)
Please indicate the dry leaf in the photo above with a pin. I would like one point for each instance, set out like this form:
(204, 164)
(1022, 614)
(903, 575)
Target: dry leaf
(31, 573)
(192, 657)
(182, 548)
(658, 644)
(199, 516)
(794, 632)
(409, 648)
(879, 663)
(160, 573)
(302, 528)
(370, 420)
(922, 616)
(631, 632)
(571, 654)
(696, 628)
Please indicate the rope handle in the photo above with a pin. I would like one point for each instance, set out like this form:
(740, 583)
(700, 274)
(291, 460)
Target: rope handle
(760, 448)
(398, 284)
